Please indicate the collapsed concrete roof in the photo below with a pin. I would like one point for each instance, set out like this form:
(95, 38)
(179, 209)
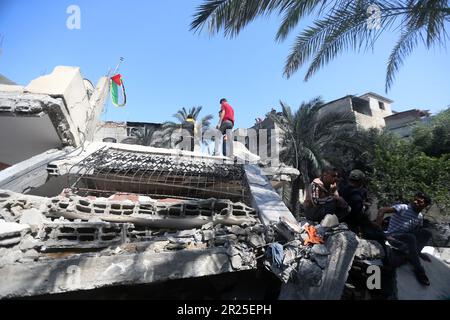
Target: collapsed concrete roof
(53, 111)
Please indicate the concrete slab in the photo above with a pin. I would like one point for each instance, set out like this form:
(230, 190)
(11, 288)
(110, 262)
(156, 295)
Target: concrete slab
(87, 272)
(408, 288)
(30, 173)
(264, 198)
(9, 229)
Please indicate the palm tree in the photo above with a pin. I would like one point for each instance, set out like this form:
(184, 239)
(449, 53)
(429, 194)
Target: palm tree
(170, 127)
(309, 137)
(339, 25)
(147, 136)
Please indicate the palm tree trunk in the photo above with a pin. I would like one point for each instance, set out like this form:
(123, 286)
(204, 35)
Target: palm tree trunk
(305, 174)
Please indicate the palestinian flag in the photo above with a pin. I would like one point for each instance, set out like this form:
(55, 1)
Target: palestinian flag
(116, 82)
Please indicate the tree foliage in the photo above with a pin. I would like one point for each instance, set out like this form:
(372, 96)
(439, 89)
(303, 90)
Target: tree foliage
(309, 137)
(434, 138)
(400, 169)
(169, 127)
(147, 136)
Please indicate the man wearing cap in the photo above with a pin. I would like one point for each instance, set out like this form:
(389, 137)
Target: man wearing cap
(355, 195)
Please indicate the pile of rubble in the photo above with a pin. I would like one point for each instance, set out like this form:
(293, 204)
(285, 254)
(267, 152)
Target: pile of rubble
(30, 225)
(35, 231)
(301, 252)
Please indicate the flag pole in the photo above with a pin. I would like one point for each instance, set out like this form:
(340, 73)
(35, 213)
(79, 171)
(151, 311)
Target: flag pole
(118, 65)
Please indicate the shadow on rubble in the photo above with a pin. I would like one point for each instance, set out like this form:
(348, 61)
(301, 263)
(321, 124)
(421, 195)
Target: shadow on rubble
(245, 285)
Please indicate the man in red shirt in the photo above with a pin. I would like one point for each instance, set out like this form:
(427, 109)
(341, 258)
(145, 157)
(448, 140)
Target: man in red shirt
(226, 121)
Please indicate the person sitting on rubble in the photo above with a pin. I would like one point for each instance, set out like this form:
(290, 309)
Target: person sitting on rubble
(406, 234)
(355, 194)
(323, 197)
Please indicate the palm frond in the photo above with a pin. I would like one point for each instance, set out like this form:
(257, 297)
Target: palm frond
(343, 26)
(230, 15)
(293, 12)
(402, 49)
(196, 111)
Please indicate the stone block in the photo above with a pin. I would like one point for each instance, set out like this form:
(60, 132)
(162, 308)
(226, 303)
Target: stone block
(34, 218)
(369, 249)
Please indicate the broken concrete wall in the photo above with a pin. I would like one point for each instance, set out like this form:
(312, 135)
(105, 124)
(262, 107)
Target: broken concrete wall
(53, 111)
(67, 83)
(139, 210)
(176, 214)
(31, 124)
(31, 173)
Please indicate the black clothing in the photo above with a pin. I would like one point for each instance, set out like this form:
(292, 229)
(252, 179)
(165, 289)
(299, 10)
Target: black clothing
(355, 197)
(357, 220)
(411, 244)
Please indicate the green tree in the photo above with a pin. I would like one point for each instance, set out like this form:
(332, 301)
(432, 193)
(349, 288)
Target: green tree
(309, 137)
(170, 127)
(434, 138)
(338, 26)
(400, 170)
(147, 136)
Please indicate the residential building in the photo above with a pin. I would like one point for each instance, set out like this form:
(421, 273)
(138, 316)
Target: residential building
(370, 109)
(403, 123)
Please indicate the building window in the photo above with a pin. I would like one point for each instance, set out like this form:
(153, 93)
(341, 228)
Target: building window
(381, 104)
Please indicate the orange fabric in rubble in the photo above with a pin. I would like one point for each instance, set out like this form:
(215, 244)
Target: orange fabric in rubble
(313, 238)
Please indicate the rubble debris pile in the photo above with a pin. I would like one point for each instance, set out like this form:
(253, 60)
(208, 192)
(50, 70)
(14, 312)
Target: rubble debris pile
(312, 261)
(11, 233)
(229, 239)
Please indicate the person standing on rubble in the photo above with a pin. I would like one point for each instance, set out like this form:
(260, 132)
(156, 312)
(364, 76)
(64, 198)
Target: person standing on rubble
(406, 234)
(226, 123)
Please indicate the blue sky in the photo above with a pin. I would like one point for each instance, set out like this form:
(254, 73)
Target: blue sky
(168, 67)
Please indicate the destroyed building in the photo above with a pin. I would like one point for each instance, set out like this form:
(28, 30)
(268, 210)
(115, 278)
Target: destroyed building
(78, 215)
